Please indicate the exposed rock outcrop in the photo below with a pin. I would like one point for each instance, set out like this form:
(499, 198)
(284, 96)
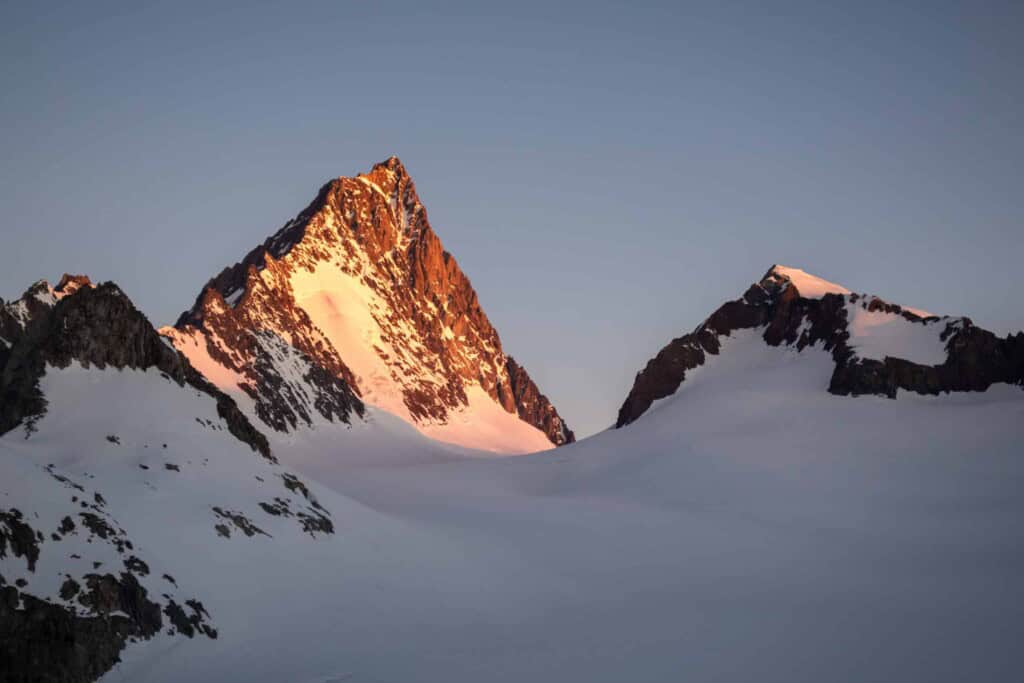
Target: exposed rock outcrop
(43, 641)
(78, 634)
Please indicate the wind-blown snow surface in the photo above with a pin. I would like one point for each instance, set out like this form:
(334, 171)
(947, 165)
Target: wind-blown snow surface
(750, 528)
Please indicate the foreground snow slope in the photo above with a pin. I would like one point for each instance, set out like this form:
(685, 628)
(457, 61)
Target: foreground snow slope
(746, 525)
(750, 527)
(210, 519)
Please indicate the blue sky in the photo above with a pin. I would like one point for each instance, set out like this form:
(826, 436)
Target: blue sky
(605, 174)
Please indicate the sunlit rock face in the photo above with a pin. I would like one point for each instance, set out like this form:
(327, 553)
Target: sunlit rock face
(878, 348)
(359, 285)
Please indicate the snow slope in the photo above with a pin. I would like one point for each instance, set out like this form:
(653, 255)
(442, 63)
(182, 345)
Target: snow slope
(879, 334)
(751, 527)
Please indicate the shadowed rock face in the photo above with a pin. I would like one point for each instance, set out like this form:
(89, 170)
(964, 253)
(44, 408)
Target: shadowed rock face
(17, 317)
(79, 634)
(534, 407)
(373, 229)
(99, 326)
(42, 641)
(975, 358)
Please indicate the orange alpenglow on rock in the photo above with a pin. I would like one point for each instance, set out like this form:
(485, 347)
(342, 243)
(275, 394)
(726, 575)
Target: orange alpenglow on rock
(359, 291)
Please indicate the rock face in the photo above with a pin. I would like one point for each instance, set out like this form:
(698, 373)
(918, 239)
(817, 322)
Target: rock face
(42, 641)
(360, 284)
(844, 323)
(79, 634)
(17, 316)
(534, 407)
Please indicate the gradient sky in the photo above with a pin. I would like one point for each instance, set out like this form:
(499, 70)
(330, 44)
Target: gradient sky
(605, 175)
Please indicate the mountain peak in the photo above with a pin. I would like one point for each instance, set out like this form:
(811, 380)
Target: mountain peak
(360, 284)
(393, 164)
(69, 284)
(807, 285)
(876, 347)
(17, 316)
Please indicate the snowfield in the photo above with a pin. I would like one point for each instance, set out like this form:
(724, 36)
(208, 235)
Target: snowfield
(752, 527)
(877, 334)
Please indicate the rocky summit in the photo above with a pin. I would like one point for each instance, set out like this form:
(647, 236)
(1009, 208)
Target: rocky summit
(360, 284)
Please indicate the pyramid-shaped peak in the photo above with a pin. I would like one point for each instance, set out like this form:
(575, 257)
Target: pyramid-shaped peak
(392, 163)
(388, 176)
(361, 285)
(807, 285)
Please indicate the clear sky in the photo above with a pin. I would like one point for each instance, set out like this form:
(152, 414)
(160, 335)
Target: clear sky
(607, 175)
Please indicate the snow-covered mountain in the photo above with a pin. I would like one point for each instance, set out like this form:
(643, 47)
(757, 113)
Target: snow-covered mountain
(360, 284)
(134, 494)
(77, 584)
(765, 512)
(876, 347)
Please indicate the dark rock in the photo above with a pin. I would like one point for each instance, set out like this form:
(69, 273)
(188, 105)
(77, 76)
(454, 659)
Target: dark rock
(312, 522)
(21, 538)
(42, 641)
(190, 624)
(69, 589)
(278, 509)
(65, 481)
(97, 525)
(240, 521)
(137, 566)
(315, 522)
